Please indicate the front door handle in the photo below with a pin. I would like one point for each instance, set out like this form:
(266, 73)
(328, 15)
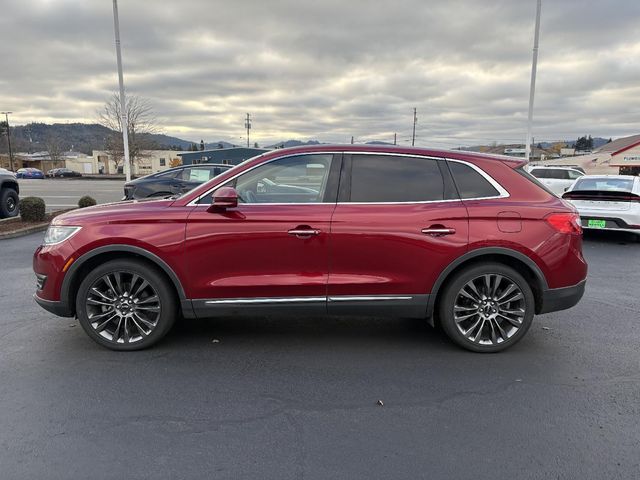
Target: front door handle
(303, 231)
(438, 231)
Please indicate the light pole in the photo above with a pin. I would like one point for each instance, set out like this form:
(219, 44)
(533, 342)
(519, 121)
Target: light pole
(532, 89)
(6, 116)
(247, 125)
(124, 121)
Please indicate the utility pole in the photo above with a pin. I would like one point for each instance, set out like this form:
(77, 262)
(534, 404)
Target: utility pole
(247, 125)
(351, 139)
(395, 138)
(532, 88)
(124, 121)
(6, 116)
(415, 120)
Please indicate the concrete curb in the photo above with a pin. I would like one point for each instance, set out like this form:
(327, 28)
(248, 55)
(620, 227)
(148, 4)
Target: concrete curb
(40, 227)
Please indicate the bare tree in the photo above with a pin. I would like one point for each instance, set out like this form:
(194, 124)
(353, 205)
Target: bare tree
(141, 123)
(54, 148)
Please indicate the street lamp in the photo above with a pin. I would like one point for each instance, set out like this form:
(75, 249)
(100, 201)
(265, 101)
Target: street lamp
(6, 116)
(124, 121)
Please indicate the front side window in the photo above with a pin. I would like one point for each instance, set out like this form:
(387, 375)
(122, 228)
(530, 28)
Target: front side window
(299, 179)
(574, 174)
(387, 178)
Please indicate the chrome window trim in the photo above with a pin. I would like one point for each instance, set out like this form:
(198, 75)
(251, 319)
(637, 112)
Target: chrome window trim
(503, 193)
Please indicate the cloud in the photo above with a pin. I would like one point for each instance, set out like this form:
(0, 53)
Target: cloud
(330, 69)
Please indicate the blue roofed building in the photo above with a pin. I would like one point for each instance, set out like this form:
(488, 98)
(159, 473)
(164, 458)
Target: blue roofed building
(227, 156)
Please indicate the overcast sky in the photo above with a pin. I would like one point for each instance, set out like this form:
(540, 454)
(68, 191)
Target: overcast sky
(328, 69)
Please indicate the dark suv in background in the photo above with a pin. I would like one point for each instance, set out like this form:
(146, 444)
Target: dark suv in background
(173, 181)
(9, 191)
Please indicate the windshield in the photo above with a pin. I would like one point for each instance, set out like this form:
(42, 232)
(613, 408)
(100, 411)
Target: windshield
(604, 184)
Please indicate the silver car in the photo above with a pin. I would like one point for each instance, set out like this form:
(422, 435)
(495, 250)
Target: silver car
(607, 202)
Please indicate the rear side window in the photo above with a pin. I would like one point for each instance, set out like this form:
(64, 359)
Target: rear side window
(540, 173)
(386, 178)
(470, 183)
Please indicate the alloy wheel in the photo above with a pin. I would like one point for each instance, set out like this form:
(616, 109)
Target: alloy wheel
(123, 307)
(11, 205)
(489, 309)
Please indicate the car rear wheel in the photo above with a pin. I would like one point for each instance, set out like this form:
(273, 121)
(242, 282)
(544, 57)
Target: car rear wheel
(487, 308)
(126, 305)
(8, 203)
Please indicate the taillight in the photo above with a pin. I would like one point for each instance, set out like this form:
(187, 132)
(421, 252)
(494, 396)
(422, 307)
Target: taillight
(565, 222)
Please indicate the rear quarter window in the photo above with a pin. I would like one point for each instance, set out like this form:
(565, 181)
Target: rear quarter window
(470, 183)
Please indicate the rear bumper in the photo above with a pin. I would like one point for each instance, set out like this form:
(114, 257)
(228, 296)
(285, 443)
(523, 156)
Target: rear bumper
(55, 307)
(562, 298)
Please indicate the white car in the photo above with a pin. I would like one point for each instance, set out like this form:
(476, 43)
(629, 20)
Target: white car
(607, 202)
(556, 179)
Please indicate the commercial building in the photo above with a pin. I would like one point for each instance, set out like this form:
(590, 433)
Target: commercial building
(149, 161)
(227, 156)
(625, 154)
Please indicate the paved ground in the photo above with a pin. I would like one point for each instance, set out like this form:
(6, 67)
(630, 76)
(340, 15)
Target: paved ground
(280, 399)
(59, 194)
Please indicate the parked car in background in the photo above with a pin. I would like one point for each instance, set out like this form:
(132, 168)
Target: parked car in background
(467, 239)
(9, 194)
(173, 181)
(556, 179)
(607, 202)
(63, 173)
(29, 173)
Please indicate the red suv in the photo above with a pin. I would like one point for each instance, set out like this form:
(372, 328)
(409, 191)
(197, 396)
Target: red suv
(470, 241)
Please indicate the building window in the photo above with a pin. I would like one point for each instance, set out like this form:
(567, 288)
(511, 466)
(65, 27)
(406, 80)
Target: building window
(163, 162)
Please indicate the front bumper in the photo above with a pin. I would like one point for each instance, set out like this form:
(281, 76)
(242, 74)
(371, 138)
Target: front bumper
(56, 307)
(556, 299)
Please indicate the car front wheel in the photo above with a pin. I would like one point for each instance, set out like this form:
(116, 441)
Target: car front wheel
(126, 305)
(487, 308)
(8, 203)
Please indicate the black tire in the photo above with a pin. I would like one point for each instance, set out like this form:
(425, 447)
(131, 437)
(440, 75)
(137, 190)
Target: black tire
(498, 326)
(164, 314)
(9, 202)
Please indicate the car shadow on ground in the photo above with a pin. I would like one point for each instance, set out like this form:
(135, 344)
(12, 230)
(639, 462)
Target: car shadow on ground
(307, 330)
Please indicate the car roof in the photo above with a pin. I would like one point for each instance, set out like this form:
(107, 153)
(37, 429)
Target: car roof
(606, 177)
(397, 149)
(561, 167)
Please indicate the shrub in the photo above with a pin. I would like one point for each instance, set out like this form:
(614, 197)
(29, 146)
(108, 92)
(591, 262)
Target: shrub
(32, 209)
(86, 201)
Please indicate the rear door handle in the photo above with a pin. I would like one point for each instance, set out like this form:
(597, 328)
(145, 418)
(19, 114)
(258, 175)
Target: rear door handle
(304, 231)
(438, 231)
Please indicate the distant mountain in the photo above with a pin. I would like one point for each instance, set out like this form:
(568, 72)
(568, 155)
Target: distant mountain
(80, 137)
(293, 143)
(377, 142)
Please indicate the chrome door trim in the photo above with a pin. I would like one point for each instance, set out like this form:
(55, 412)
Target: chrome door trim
(367, 298)
(253, 301)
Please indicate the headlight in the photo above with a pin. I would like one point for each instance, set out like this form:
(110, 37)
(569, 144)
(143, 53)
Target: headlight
(57, 234)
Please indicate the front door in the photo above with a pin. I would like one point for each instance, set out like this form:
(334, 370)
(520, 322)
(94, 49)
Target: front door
(397, 225)
(271, 251)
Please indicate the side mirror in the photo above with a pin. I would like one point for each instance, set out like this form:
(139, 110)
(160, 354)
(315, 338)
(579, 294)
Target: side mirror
(223, 198)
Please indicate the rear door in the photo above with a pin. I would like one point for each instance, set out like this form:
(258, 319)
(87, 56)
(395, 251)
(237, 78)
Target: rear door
(398, 223)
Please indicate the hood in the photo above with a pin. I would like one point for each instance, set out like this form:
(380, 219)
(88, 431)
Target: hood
(114, 212)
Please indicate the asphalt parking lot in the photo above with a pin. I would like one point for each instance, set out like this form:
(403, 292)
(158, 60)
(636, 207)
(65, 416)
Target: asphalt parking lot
(63, 193)
(298, 398)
